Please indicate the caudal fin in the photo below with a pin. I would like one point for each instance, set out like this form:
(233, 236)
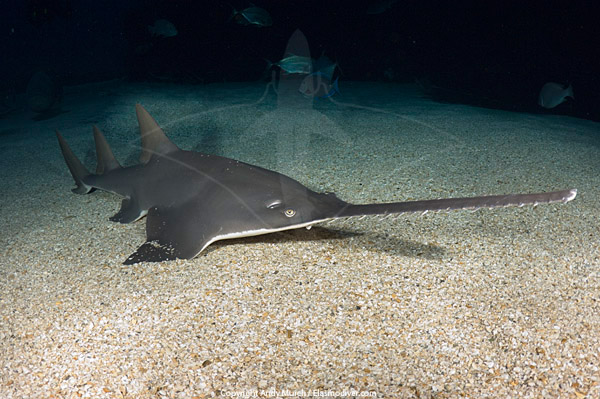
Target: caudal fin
(78, 171)
(570, 92)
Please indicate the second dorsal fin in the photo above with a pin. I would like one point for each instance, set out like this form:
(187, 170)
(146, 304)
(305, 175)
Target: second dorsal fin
(104, 155)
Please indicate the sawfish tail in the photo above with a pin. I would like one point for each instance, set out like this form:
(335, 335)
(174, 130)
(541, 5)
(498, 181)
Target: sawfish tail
(449, 204)
(106, 161)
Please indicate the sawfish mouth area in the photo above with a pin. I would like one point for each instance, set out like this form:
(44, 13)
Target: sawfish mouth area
(498, 302)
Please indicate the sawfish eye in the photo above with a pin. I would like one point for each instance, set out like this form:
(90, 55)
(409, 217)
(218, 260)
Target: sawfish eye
(290, 212)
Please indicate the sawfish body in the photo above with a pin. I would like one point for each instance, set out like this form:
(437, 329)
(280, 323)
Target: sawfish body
(193, 199)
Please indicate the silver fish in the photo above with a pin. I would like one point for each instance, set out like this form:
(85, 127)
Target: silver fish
(553, 94)
(253, 16)
(294, 64)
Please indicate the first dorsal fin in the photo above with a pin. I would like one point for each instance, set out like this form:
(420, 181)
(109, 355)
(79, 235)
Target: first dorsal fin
(154, 140)
(104, 155)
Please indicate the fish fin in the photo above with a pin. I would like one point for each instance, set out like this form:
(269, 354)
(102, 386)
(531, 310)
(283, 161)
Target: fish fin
(269, 64)
(130, 211)
(78, 171)
(570, 91)
(104, 155)
(334, 89)
(234, 12)
(154, 140)
(329, 71)
(151, 251)
(173, 232)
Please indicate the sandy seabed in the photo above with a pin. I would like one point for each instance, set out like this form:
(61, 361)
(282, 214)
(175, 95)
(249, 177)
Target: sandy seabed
(495, 303)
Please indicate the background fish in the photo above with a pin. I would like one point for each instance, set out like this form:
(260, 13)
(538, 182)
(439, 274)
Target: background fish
(325, 65)
(553, 94)
(254, 16)
(317, 85)
(162, 28)
(40, 12)
(294, 64)
(380, 6)
(42, 93)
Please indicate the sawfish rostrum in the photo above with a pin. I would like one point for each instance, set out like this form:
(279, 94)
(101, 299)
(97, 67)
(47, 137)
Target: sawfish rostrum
(193, 199)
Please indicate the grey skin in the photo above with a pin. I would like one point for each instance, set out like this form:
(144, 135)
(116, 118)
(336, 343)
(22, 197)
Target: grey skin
(193, 199)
